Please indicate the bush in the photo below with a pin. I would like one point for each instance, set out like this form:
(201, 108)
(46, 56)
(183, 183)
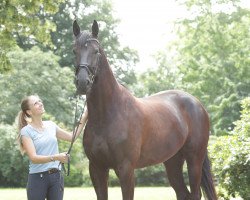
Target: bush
(13, 166)
(231, 158)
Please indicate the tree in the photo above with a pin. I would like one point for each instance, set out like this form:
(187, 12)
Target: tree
(122, 59)
(36, 72)
(211, 58)
(231, 159)
(21, 19)
(165, 77)
(13, 167)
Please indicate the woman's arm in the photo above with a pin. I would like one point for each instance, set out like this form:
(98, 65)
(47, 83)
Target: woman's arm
(39, 159)
(65, 135)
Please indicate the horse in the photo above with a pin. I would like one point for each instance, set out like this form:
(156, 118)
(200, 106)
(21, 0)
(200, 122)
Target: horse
(125, 133)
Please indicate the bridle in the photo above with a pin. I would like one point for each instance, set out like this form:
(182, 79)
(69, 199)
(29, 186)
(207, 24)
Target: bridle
(92, 75)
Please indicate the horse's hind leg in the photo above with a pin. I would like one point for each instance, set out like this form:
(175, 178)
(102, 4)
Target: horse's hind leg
(174, 168)
(194, 173)
(99, 177)
(194, 163)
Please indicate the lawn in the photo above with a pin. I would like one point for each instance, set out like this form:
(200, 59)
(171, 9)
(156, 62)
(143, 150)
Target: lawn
(141, 193)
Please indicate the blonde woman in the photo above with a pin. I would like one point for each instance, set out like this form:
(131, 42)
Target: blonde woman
(38, 139)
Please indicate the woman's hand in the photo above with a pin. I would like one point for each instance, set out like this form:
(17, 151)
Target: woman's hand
(62, 157)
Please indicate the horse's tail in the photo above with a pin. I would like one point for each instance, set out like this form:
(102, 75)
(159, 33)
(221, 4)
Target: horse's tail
(207, 183)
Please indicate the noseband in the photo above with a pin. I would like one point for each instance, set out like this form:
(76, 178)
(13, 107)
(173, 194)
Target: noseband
(91, 74)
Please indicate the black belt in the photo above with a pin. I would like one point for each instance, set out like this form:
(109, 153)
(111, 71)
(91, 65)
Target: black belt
(51, 171)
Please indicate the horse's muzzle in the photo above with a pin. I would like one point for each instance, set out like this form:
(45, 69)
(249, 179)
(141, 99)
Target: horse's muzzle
(82, 81)
(81, 89)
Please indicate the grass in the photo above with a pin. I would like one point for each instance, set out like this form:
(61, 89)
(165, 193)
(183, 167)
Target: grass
(79, 193)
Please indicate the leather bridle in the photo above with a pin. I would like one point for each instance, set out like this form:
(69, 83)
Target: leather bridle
(86, 66)
(92, 76)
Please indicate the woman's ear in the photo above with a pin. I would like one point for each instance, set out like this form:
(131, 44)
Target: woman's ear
(28, 113)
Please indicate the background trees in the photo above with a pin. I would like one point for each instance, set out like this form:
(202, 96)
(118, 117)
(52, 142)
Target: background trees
(43, 64)
(209, 59)
(12, 162)
(20, 19)
(36, 72)
(231, 158)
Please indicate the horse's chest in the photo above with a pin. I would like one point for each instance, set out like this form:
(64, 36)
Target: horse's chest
(96, 147)
(99, 145)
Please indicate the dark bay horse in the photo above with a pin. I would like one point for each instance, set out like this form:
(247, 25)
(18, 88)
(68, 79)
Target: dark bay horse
(124, 132)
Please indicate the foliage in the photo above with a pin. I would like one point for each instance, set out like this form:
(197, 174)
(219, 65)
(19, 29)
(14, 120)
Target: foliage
(214, 58)
(151, 176)
(148, 176)
(36, 72)
(231, 158)
(122, 59)
(49, 26)
(13, 166)
(209, 59)
(164, 78)
(21, 19)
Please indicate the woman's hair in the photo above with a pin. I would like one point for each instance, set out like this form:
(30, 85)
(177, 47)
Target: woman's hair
(23, 117)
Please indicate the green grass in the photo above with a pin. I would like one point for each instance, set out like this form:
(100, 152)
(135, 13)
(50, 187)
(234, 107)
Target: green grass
(141, 193)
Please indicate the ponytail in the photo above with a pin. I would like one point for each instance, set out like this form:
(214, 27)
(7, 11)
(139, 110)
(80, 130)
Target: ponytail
(21, 123)
(23, 119)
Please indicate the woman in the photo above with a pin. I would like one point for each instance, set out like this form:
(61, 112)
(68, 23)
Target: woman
(38, 139)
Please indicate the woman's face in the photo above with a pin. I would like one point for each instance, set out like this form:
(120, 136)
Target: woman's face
(35, 106)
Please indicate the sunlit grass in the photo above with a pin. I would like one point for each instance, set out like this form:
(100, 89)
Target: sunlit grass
(79, 193)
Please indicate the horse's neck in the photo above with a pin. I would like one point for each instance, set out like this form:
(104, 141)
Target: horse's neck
(104, 90)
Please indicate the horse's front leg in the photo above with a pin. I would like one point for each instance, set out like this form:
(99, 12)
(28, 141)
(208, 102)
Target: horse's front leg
(125, 173)
(99, 177)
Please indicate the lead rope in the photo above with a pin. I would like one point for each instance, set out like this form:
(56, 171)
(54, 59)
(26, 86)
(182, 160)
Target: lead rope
(75, 129)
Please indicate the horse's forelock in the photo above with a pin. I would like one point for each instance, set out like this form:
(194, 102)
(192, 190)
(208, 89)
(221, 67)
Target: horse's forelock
(82, 38)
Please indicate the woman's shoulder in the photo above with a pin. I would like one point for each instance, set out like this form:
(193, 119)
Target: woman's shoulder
(49, 123)
(26, 130)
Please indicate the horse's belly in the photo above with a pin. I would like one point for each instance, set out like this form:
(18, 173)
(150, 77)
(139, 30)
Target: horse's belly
(160, 148)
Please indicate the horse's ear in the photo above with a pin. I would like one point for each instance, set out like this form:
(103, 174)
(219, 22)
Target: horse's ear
(76, 28)
(95, 29)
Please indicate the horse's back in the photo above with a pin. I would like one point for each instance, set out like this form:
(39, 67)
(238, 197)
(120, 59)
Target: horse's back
(184, 105)
(182, 102)
(174, 120)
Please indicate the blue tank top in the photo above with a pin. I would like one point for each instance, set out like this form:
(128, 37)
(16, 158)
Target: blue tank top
(45, 143)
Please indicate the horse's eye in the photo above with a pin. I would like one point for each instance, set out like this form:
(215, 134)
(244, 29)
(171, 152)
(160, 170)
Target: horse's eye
(74, 51)
(96, 51)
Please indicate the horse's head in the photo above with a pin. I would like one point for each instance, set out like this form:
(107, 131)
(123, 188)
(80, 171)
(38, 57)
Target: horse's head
(86, 49)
